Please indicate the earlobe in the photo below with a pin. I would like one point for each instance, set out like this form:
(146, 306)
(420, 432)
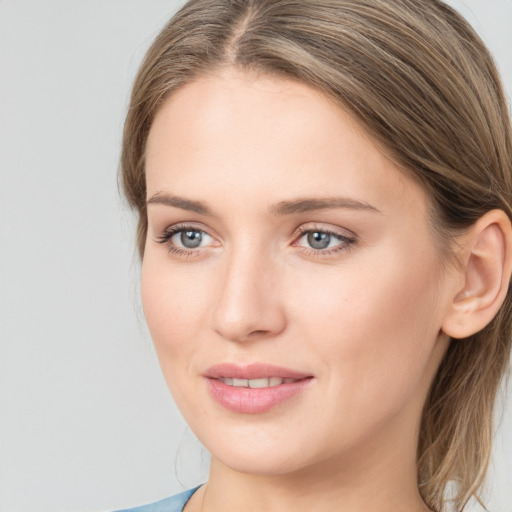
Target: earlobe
(486, 267)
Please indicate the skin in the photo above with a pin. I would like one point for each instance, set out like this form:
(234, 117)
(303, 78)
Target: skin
(364, 321)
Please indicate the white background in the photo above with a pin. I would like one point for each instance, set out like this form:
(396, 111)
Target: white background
(86, 422)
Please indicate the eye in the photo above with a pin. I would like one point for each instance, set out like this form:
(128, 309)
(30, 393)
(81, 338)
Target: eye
(324, 241)
(319, 240)
(190, 238)
(182, 239)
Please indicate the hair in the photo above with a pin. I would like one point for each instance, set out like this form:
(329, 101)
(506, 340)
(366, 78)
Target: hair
(424, 86)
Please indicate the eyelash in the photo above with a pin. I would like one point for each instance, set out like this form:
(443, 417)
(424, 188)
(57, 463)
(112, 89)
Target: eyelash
(164, 238)
(346, 242)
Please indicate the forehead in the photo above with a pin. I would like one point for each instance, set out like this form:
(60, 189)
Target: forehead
(255, 110)
(266, 137)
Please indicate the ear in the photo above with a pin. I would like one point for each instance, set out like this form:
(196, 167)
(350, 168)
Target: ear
(486, 259)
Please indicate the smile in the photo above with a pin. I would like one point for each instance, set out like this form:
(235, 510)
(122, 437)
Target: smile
(255, 388)
(256, 383)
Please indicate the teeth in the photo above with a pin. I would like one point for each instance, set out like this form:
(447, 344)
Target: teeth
(256, 383)
(261, 383)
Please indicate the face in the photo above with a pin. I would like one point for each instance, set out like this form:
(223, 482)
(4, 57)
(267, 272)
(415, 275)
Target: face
(290, 281)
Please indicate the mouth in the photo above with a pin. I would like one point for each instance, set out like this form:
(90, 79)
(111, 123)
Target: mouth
(256, 388)
(269, 382)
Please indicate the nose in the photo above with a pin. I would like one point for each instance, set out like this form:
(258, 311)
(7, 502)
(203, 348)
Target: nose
(249, 304)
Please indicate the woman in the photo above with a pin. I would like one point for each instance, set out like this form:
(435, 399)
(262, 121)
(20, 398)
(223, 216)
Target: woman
(324, 200)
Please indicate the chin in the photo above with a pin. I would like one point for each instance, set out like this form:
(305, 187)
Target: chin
(259, 463)
(257, 453)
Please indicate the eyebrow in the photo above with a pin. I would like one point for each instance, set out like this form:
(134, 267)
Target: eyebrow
(180, 202)
(313, 204)
(279, 209)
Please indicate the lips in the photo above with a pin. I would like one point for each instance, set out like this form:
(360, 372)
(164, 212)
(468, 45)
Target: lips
(255, 388)
(266, 382)
(253, 371)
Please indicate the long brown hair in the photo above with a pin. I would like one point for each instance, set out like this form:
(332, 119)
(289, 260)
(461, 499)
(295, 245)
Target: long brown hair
(418, 78)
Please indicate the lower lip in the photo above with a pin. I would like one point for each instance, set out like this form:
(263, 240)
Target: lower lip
(254, 400)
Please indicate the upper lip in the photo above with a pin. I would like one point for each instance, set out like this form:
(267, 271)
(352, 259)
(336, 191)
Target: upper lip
(252, 371)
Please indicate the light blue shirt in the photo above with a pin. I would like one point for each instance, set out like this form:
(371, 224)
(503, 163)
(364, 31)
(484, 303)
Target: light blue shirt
(173, 504)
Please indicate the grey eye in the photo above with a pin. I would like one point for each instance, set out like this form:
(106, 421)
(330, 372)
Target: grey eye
(191, 238)
(318, 240)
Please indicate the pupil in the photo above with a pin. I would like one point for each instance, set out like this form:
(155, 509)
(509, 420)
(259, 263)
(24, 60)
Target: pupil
(318, 240)
(191, 239)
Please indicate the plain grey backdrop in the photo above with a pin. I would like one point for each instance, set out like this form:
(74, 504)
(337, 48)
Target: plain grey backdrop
(86, 421)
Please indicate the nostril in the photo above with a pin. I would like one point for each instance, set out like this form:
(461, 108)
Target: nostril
(254, 333)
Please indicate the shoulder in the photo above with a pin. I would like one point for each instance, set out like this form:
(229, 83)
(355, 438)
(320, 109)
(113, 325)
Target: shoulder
(173, 504)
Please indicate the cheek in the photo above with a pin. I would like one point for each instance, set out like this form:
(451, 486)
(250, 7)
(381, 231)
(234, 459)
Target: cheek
(375, 328)
(396, 295)
(174, 305)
